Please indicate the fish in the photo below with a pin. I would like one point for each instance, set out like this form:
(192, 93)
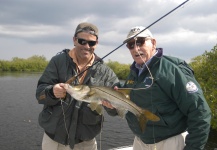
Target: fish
(119, 99)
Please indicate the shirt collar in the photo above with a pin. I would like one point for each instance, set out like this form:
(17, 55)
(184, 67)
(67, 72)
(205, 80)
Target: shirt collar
(73, 56)
(143, 67)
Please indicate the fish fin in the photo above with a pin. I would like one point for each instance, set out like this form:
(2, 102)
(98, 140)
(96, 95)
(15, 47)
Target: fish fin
(42, 97)
(99, 109)
(125, 91)
(91, 92)
(150, 116)
(142, 122)
(95, 106)
(144, 117)
(121, 112)
(71, 80)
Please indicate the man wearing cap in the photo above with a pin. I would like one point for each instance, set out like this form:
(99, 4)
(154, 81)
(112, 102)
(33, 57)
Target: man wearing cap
(167, 87)
(68, 123)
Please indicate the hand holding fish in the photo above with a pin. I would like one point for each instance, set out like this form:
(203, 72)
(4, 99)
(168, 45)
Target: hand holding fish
(59, 91)
(107, 103)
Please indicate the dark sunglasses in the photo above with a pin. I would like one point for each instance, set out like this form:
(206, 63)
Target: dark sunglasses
(139, 42)
(84, 42)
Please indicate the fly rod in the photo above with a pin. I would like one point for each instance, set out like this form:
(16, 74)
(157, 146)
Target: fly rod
(74, 77)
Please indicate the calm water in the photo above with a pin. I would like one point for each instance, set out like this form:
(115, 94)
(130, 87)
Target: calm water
(19, 129)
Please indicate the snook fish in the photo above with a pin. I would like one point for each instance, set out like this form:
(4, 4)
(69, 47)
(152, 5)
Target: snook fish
(95, 94)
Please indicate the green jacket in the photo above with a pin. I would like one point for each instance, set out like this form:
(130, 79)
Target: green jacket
(78, 120)
(175, 96)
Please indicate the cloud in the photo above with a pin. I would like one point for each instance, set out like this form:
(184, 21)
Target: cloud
(29, 27)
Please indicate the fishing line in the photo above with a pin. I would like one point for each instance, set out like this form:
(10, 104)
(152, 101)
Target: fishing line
(64, 118)
(152, 79)
(73, 78)
(100, 135)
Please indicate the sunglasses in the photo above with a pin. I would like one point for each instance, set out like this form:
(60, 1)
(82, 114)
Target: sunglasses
(84, 42)
(138, 42)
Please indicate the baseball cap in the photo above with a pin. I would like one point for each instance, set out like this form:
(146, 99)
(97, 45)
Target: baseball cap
(136, 30)
(87, 27)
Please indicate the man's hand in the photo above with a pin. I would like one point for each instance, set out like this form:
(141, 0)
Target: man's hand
(107, 104)
(59, 91)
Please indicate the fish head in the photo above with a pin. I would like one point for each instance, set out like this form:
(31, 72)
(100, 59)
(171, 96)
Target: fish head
(78, 91)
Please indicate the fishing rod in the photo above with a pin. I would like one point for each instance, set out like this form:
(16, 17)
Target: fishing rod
(74, 77)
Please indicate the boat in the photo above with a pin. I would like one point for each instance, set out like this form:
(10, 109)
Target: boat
(123, 148)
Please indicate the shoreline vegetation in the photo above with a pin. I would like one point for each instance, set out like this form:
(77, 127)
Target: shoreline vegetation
(38, 63)
(204, 66)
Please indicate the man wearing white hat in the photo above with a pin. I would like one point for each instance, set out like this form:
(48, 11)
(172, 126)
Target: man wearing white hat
(167, 87)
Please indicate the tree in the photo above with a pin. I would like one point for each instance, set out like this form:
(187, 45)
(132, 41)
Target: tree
(34, 63)
(121, 70)
(205, 68)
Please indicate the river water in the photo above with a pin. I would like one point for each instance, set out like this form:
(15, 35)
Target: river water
(19, 129)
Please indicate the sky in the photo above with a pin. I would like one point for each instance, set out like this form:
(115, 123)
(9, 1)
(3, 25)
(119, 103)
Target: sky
(46, 27)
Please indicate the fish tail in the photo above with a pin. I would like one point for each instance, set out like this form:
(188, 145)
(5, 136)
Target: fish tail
(142, 122)
(95, 106)
(144, 117)
(150, 116)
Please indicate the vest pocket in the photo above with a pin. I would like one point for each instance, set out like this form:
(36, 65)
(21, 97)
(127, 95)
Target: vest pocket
(49, 118)
(89, 124)
(90, 117)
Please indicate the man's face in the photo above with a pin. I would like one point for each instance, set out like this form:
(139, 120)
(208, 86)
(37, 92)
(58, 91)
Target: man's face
(142, 49)
(85, 45)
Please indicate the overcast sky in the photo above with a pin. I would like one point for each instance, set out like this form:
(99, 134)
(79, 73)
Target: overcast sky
(45, 27)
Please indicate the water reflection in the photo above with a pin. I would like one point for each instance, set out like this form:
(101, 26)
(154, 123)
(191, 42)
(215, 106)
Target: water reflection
(19, 74)
(212, 143)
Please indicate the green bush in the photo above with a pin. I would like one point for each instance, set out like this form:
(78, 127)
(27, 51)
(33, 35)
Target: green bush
(121, 70)
(32, 64)
(205, 68)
